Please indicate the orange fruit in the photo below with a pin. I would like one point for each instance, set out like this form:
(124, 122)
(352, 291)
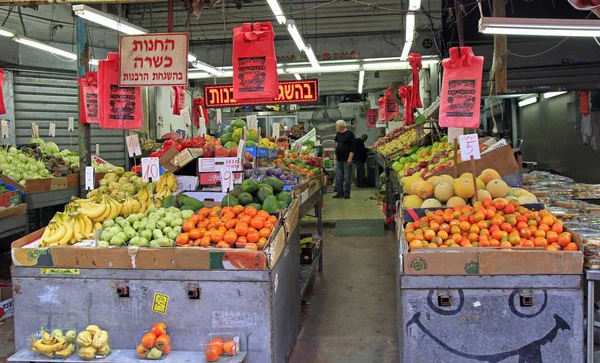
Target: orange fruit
(218, 344)
(553, 247)
(253, 236)
(188, 225)
(443, 235)
(552, 236)
(257, 222)
(251, 211)
(182, 239)
(230, 236)
(264, 232)
(262, 242)
(505, 244)
(238, 209)
(205, 241)
(216, 236)
(241, 229)
(540, 242)
(194, 233)
(242, 239)
(528, 244)
(212, 355)
(464, 226)
(415, 244)
(429, 235)
(571, 246)
(229, 347)
(251, 246)
(222, 244)
(558, 228)
(564, 239)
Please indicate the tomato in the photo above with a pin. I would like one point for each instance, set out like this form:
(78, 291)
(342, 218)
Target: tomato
(251, 211)
(264, 232)
(216, 236)
(205, 241)
(218, 344)
(188, 225)
(182, 239)
(195, 234)
(241, 229)
(251, 246)
(230, 236)
(253, 236)
(148, 340)
(211, 354)
(142, 352)
(159, 329)
(163, 341)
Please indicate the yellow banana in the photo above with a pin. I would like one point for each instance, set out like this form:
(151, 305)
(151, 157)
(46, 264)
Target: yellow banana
(40, 347)
(88, 228)
(92, 210)
(55, 235)
(108, 210)
(67, 351)
(68, 234)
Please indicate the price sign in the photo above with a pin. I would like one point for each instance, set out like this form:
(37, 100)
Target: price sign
(150, 169)
(52, 129)
(226, 179)
(186, 117)
(202, 129)
(186, 182)
(219, 116)
(97, 149)
(4, 126)
(89, 177)
(469, 146)
(34, 130)
(252, 121)
(71, 125)
(298, 148)
(240, 151)
(133, 145)
(275, 133)
(454, 133)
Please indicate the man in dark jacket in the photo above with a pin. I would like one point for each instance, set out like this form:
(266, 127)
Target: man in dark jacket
(360, 158)
(344, 154)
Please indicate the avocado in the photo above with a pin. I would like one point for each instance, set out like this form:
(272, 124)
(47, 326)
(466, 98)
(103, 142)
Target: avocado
(275, 183)
(170, 201)
(256, 206)
(185, 200)
(284, 197)
(236, 191)
(249, 186)
(282, 204)
(263, 193)
(229, 201)
(190, 207)
(265, 185)
(271, 204)
(245, 198)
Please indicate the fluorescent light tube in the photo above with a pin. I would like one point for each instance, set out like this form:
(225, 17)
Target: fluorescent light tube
(208, 68)
(192, 57)
(6, 32)
(385, 66)
(94, 62)
(553, 94)
(107, 20)
(324, 69)
(361, 81)
(296, 36)
(311, 57)
(541, 27)
(276, 9)
(406, 50)
(414, 5)
(528, 101)
(410, 27)
(298, 77)
(43, 46)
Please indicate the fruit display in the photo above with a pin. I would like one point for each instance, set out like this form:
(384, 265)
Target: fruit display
(102, 166)
(118, 185)
(183, 202)
(21, 166)
(155, 343)
(305, 165)
(166, 185)
(158, 227)
(232, 134)
(399, 144)
(489, 224)
(269, 143)
(54, 344)
(92, 343)
(147, 144)
(389, 137)
(228, 227)
(425, 160)
(444, 190)
(67, 228)
(266, 194)
(286, 175)
(219, 345)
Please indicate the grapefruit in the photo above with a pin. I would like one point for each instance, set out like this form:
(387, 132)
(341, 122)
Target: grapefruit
(425, 190)
(408, 181)
(456, 202)
(466, 175)
(463, 187)
(488, 175)
(497, 188)
(434, 180)
(412, 201)
(431, 203)
(446, 178)
(480, 183)
(481, 195)
(414, 187)
(443, 191)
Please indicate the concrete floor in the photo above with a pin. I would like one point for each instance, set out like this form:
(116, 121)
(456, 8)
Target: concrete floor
(7, 339)
(361, 205)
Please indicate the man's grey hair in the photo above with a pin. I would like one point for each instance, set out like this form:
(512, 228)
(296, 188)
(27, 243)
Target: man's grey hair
(340, 123)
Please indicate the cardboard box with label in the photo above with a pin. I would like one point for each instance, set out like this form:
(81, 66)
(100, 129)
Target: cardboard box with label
(6, 302)
(208, 165)
(215, 178)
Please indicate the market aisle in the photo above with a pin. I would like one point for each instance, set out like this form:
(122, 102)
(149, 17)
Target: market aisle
(7, 339)
(352, 313)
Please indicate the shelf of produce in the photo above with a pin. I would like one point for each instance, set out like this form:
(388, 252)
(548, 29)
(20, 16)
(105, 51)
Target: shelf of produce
(12, 225)
(51, 198)
(127, 356)
(307, 271)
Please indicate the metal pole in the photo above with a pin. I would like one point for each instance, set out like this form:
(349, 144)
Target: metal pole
(84, 129)
(170, 17)
(514, 123)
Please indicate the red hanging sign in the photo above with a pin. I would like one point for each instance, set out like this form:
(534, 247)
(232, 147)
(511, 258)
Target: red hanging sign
(406, 94)
(415, 61)
(254, 62)
(118, 107)
(199, 109)
(371, 118)
(461, 89)
(178, 99)
(391, 107)
(305, 91)
(2, 107)
(88, 98)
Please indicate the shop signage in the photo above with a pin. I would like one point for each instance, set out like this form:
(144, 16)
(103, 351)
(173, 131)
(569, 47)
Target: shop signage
(305, 91)
(153, 60)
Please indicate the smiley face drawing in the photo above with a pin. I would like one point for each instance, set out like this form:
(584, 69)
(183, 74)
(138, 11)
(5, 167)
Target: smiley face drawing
(517, 346)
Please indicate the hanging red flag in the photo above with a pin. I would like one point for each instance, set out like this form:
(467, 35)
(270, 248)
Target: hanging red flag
(88, 98)
(415, 61)
(2, 107)
(406, 94)
(178, 99)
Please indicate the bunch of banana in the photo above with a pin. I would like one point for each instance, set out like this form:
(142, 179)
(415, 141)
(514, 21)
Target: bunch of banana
(130, 206)
(400, 143)
(82, 227)
(167, 184)
(92, 342)
(98, 212)
(144, 197)
(59, 231)
(55, 345)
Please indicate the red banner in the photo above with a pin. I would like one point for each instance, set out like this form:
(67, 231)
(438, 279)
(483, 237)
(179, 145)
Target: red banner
(88, 99)
(305, 91)
(371, 118)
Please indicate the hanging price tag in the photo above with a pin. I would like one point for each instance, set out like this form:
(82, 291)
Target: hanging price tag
(150, 169)
(298, 148)
(71, 125)
(202, 129)
(34, 130)
(172, 98)
(133, 145)
(252, 121)
(186, 182)
(52, 129)
(89, 178)
(201, 120)
(240, 151)
(97, 149)
(4, 127)
(226, 179)
(186, 116)
(219, 116)
(276, 131)
(469, 146)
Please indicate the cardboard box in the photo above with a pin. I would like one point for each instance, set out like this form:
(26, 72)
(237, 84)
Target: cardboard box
(207, 165)
(13, 211)
(59, 183)
(10, 199)
(6, 303)
(186, 156)
(257, 152)
(502, 160)
(292, 217)
(31, 186)
(73, 180)
(410, 214)
(165, 160)
(215, 178)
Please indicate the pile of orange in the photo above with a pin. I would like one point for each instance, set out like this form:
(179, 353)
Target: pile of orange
(489, 224)
(227, 227)
(216, 348)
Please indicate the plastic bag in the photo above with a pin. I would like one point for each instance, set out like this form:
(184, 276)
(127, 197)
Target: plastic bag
(592, 5)
(88, 99)
(254, 63)
(2, 107)
(406, 94)
(415, 61)
(461, 89)
(178, 99)
(371, 118)
(199, 108)
(118, 107)
(391, 106)
(381, 109)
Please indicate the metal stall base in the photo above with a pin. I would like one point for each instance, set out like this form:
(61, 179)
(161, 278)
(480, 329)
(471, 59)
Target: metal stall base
(264, 306)
(505, 318)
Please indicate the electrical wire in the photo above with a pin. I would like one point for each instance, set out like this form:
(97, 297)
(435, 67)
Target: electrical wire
(7, 15)
(540, 53)
(21, 19)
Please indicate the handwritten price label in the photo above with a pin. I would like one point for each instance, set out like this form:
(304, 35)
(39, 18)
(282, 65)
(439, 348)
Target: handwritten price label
(276, 131)
(186, 117)
(469, 146)
(226, 179)
(34, 130)
(133, 145)
(71, 125)
(202, 129)
(150, 169)
(186, 182)
(4, 125)
(219, 116)
(52, 129)
(252, 122)
(89, 177)
(201, 120)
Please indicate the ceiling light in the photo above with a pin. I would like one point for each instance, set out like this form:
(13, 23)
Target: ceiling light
(553, 94)
(192, 57)
(107, 20)
(6, 32)
(410, 27)
(94, 62)
(43, 46)
(208, 68)
(293, 30)
(324, 69)
(311, 57)
(528, 101)
(385, 66)
(276, 9)
(361, 81)
(406, 50)
(542, 27)
(414, 4)
(298, 77)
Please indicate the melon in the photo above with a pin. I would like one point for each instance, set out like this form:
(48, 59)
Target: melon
(463, 187)
(414, 187)
(520, 192)
(443, 191)
(488, 175)
(466, 175)
(431, 203)
(425, 190)
(511, 198)
(446, 178)
(480, 183)
(412, 201)
(434, 180)
(527, 199)
(409, 181)
(456, 202)
(497, 188)
(481, 195)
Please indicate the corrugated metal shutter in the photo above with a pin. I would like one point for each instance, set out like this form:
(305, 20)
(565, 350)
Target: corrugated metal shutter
(43, 98)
